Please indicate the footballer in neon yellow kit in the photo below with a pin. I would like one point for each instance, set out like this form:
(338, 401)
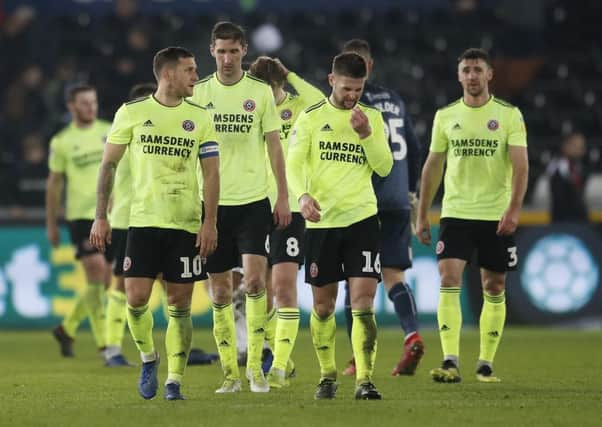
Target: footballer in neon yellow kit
(335, 147)
(120, 219)
(483, 140)
(286, 245)
(167, 136)
(246, 123)
(75, 156)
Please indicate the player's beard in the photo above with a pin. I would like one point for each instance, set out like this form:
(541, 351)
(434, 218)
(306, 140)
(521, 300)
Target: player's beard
(343, 102)
(475, 90)
(85, 119)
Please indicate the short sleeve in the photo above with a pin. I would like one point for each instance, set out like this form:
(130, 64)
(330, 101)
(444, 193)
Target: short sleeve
(517, 131)
(438, 138)
(122, 129)
(56, 158)
(208, 146)
(270, 121)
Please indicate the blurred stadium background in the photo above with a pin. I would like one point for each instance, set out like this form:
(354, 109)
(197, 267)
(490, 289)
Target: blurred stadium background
(547, 58)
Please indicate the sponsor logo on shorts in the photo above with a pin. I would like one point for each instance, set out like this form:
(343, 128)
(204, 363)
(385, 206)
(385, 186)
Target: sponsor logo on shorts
(249, 105)
(313, 270)
(286, 114)
(188, 125)
(440, 247)
(127, 263)
(493, 124)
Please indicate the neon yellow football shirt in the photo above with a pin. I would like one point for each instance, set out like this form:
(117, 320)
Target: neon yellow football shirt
(242, 114)
(165, 144)
(327, 160)
(478, 178)
(77, 153)
(289, 110)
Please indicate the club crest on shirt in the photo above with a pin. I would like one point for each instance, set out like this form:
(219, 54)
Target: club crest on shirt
(286, 114)
(493, 125)
(249, 105)
(188, 125)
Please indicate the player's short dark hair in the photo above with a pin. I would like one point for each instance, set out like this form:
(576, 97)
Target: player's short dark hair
(359, 46)
(78, 88)
(142, 89)
(226, 30)
(349, 64)
(169, 55)
(268, 70)
(475, 53)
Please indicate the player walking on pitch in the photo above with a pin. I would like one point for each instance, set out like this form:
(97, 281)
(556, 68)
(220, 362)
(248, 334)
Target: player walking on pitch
(483, 140)
(335, 147)
(167, 136)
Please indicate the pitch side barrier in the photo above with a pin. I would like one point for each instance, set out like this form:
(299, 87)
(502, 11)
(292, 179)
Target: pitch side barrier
(559, 280)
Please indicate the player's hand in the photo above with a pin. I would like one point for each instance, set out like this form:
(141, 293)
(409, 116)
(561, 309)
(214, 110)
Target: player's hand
(508, 223)
(100, 234)
(52, 232)
(281, 65)
(423, 231)
(282, 213)
(206, 238)
(310, 208)
(413, 210)
(359, 123)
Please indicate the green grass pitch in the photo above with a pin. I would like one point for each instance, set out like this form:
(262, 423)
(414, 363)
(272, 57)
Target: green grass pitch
(550, 378)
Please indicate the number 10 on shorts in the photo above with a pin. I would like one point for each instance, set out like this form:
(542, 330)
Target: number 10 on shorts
(197, 266)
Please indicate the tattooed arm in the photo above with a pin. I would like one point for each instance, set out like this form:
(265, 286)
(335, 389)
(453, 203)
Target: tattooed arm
(100, 234)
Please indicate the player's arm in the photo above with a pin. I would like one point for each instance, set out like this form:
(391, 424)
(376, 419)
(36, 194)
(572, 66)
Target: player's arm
(414, 153)
(207, 236)
(414, 157)
(54, 189)
(520, 177)
(117, 142)
(374, 141)
(297, 161)
(517, 153)
(432, 174)
(282, 211)
(101, 229)
(308, 92)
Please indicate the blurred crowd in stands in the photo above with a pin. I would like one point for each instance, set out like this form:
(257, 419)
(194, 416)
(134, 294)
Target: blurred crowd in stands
(547, 59)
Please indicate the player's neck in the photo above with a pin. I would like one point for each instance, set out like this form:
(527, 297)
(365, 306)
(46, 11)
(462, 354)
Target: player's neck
(83, 124)
(280, 96)
(477, 101)
(166, 98)
(230, 80)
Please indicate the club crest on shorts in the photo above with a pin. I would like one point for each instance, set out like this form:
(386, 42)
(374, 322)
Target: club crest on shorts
(249, 105)
(440, 247)
(286, 114)
(313, 270)
(188, 125)
(127, 263)
(493, 125)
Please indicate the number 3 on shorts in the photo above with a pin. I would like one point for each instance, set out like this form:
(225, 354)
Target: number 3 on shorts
(197, 266)
(513, 257)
